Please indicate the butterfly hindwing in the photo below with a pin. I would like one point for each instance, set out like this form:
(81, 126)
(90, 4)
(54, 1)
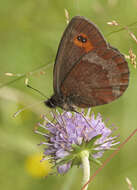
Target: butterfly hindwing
(100, 77)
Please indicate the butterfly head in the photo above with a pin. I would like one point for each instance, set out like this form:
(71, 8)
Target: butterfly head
(59, 101)
(51, 102)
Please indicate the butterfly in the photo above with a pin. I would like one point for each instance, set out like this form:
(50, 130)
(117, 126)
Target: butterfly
(87, 71)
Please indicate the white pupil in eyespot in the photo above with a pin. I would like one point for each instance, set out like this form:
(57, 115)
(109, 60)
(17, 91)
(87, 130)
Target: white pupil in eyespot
(82, 39)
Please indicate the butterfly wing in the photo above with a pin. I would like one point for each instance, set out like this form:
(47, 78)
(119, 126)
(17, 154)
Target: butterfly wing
(71, 50)
(100, 77)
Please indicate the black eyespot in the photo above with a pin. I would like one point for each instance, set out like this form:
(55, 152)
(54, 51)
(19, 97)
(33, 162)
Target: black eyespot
(82, 39)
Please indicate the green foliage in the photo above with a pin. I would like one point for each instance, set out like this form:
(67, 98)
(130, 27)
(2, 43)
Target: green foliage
(30, 32)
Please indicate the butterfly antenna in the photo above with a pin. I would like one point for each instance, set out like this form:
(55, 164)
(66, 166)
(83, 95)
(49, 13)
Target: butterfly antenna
(37, 90)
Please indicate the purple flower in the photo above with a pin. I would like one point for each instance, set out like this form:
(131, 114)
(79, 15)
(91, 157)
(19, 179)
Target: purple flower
(68, 134)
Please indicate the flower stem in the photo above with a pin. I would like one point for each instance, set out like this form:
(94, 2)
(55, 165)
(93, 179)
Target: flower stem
(86, 167)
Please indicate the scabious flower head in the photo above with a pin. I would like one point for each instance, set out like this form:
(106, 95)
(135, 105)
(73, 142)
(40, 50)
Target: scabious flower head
(69, 134)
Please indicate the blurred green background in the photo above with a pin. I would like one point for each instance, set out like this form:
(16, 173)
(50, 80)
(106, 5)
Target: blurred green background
(30, 31)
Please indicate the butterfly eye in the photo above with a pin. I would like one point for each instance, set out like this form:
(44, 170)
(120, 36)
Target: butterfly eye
(82, 39)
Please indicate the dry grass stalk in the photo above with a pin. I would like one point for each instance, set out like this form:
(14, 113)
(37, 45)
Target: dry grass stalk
(66, 15)
(130, 187)
(113, 23)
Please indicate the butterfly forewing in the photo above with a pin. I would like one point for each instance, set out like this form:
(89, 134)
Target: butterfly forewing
(71, 50)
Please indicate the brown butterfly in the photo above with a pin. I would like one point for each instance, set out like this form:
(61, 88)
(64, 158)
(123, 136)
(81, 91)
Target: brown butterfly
(87, 71)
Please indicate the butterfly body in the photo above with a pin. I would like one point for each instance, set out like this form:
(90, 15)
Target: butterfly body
(62, 102)
(88, 71)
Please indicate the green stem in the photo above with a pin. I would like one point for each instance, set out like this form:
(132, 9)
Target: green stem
(86, 167)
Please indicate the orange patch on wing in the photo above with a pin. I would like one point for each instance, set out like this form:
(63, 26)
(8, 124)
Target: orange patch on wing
(87, 45)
